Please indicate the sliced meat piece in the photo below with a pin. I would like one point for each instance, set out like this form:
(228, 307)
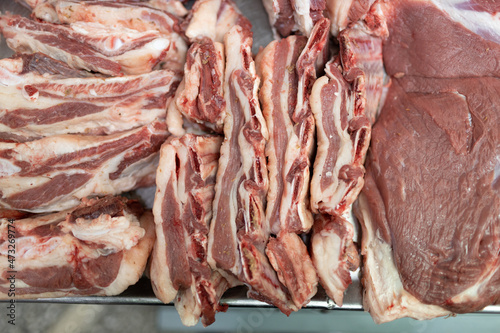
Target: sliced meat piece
(90, 46)
(182, 210)
(201, 97)
(334, 254)
(98, 248)
(430, 203)
(53, 173)
(289, 257)
(361, 50)
(288, 16)
(343, 133)
(136, 16)
(40, 98)
(287, 70)
(238, 232)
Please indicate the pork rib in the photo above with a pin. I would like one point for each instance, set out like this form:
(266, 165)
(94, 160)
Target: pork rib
(137, 16)
(183, 208)
(40, 97)
(287, 70)
(238, 232)
(200, 97)
(343, 133)
(90, 46)
(334, 254)
(287, 16)
(98, 248)
(53, 173)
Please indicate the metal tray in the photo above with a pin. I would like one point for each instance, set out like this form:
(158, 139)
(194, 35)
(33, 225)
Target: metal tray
(142, 292)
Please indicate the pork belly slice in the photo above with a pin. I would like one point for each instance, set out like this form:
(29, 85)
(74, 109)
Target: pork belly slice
(90, 46)
(200, 97)
(183, 208)
(343, 134)
(137, 16)
(287, 70)
(288, 16)
(98, 248)
(361, 50)
(289, 257)
(40, 98)
(334, 254)
(53, 173)
(429, 207)
(238, 232)
(199, 101)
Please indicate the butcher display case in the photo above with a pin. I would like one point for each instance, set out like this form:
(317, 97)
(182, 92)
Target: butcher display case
(251, 311)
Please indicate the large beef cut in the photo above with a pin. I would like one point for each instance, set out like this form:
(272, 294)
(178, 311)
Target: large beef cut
(98, 248)
(41, 96)
(182, 209)
(431, 201)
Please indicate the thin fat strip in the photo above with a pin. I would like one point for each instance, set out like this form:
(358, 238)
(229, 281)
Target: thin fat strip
(183, 209)
(89, 46)
(238, 232)
(53, 173)
(36, 104)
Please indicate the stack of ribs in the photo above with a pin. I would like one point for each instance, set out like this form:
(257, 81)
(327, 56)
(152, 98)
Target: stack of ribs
(258, 161)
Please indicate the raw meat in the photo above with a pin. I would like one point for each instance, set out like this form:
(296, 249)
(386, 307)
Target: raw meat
(343, 133)
(98, 248)
(288, 72)
(183, 208)
(200, 97)
(429, 208)
(131, 15)
(42, 97)
(287, 16)
(334, 254)
(344, 12)
(53, 173)
(90, 46)
(287, 68)
(238, 232)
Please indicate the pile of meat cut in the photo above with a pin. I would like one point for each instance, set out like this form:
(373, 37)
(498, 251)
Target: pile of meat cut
(257, 159)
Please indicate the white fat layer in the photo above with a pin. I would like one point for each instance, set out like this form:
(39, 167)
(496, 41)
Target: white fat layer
(385, 297)
(116, 233)
(485, 24)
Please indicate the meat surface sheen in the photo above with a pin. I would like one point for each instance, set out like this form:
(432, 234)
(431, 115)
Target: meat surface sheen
(432, 189)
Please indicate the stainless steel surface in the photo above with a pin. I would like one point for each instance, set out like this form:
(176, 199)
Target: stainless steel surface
(141, 293)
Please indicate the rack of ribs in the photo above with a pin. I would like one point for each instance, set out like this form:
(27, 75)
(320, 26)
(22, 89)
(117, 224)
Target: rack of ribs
(287, 68)
(183, 209)
(90, 46)
(54, 172)
(100, 247)
(41, 96)
(200, 96)
(239, 232)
